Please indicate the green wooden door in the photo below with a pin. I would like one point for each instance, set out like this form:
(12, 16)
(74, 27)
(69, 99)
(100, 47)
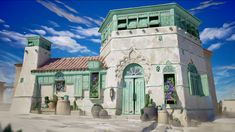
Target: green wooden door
(128, 97)
(133, 90)
(139, 94)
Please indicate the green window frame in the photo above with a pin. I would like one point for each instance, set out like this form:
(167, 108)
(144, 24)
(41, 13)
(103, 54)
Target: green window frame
(59, 82)
(122, 24)
(94, 85)
(194, 79)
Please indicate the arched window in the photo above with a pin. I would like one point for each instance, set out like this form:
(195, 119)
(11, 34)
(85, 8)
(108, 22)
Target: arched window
(133, 70)
(59, 82)
(194, 79)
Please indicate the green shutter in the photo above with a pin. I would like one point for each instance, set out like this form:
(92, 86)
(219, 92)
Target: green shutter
(103, 81)
(78, 86)
(132, 23)
(190, 83)
(40, 80)
(205, 86)
(85, 79)
(143, 22)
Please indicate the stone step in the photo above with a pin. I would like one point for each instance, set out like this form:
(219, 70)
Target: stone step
(5, 107)
(127, 117)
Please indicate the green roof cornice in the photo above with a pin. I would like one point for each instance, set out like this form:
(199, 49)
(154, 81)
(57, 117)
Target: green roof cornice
(151, 8)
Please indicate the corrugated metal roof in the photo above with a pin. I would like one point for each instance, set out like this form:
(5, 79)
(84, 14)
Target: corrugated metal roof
(67, 64)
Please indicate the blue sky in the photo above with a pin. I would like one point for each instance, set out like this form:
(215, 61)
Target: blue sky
(72, 27)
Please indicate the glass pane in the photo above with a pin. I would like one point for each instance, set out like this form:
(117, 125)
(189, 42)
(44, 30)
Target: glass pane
(60, 86)
(94, 91)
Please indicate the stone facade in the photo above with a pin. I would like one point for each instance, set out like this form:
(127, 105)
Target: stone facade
(145, 50)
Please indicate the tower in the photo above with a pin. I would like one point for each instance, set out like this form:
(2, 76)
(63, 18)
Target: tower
(36, 53)
(148, 49)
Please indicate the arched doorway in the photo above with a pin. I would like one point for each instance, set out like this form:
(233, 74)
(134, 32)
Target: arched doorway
(133, 89)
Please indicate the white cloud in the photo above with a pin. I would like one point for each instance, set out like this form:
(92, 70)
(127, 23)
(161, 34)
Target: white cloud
(54, 23)
(231, 38)
(63, 13)
(217, 33)
(204, 5)
(66, 40)
(2, 21)
(215, 46)
(61, 33)
(6, 26)
(69, 44)
(228, 67)
(38, 31)
(88, 31)
(5, 39)
(12, 36)
(66, 6)
(96, 21)
(96, 40)
(225, 81)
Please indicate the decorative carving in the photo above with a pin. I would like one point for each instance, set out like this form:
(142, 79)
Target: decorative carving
(158, 68)
(133, 57)
(168, 68)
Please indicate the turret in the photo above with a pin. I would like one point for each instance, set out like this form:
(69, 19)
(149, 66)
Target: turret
(37, 52)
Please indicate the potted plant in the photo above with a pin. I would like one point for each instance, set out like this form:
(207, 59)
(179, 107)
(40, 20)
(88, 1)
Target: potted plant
(149, 112)
(53, 102)
(46, 101)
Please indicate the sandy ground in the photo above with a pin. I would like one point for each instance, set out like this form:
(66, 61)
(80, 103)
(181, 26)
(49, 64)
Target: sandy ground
(56, 123)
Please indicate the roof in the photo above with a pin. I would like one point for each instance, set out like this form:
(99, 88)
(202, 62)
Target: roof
(146, 9)
(207, 52)
(69, 64)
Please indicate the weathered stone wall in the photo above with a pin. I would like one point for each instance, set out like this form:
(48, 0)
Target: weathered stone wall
(18, 68)
(156, 46)
(228, 107)
(34, 57)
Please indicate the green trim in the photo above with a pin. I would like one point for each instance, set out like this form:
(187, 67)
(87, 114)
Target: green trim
(194, 80)
(177, 9)
(39, 41)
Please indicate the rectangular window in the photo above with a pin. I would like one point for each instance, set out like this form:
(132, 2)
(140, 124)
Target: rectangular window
(132, 23)
(122, 24)
(143, 22)
(154, 21)
(21, 80)
(94, 88)
(60, 86)
(169, 89)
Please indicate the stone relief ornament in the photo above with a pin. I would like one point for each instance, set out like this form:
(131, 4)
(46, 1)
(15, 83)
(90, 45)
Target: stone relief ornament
(133, 56)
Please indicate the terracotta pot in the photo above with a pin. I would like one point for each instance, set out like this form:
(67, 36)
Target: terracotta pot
(103, 114)
(51, 105)
(151, 112)
(163, 117)
(63, 108)
(95, 110)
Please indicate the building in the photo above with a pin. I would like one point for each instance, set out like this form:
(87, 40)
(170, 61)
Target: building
(153, 50)
(228, 107)
(2, 89)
